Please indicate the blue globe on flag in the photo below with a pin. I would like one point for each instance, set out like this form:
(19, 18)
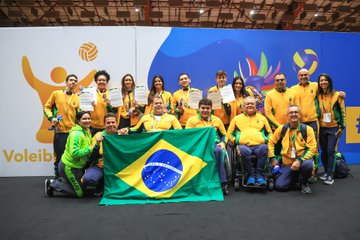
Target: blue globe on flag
(307, 59)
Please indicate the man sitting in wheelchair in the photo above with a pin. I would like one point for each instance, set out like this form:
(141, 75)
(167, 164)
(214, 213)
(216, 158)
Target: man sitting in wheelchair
(250, 132)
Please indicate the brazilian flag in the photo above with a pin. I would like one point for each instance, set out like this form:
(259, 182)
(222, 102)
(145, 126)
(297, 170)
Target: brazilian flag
(157, 167)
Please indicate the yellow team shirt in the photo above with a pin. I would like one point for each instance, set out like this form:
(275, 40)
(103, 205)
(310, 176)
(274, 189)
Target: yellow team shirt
(307, 103)
(277, 104)
(123, 111)
(182, 97)
(150, 123)
(333, 105)
(304, 150)
(166, 96)
(220, 113)
(65, 105)
(238, 103)
(97, 116)
(215, 122)
(249, 130)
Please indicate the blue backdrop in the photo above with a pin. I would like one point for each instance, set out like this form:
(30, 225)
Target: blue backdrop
(258, 55)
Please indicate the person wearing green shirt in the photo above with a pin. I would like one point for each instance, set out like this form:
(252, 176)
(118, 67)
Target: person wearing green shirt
(71, 167)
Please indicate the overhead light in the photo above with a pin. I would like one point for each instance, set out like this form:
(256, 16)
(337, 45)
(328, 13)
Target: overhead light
(252, 12)
(316, 14)
(137, 9)
(201, 11)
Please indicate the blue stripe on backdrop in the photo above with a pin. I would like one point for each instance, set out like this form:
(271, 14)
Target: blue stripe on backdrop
(201, 52)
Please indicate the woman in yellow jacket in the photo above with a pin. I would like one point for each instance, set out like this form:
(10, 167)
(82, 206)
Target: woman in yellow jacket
(129, 113)
(158, 89)
(241, 92)
(331, 113)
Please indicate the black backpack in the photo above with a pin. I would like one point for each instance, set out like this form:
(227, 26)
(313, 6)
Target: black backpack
(342, 170)
(285, 127)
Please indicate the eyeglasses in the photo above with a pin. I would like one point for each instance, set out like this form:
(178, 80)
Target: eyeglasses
(280, 80)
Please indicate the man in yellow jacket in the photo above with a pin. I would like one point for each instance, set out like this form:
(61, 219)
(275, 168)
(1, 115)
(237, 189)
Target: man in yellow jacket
(278, 100)
(250, 131)
(180, 100)
(298, 146)
(204, 118)
(225, 111)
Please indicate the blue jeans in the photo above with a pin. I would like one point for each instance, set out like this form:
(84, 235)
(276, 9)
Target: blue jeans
(327, 144)
(289, 178)
(261, 152)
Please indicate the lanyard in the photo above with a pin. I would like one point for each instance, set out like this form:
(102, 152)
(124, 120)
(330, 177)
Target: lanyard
(155, 121)
(128, 105)
(185, 96)
(67, 109)
(323, 98)
(102, 95)
(293, 138)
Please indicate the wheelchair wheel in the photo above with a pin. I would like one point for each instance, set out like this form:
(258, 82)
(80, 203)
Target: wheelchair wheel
(236, 184)
(271, 184)
(227, 166)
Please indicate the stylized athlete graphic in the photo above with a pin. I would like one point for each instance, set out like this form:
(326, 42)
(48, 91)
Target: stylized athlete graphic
(44, 90)
(259, 78)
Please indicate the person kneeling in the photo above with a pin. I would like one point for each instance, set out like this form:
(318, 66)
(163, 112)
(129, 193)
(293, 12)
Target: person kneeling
(71, 167)
(298, 146)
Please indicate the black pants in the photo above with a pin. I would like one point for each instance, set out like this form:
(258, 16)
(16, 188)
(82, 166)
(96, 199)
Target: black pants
(59, 148)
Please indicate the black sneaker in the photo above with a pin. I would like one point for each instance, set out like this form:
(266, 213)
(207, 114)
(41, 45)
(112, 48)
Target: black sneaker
(305, 188)
(329, 180)
(99, 192)
(225, 189)
(312, 179)
(48, 190)
(323, 176)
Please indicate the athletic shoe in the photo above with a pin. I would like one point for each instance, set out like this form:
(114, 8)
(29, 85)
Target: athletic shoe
(250, 181)
(312, 179)
(323, 176)
(305, 188)
(48, 190)
(99, 192)
(225, 189)
(260, 182)
(329, 180)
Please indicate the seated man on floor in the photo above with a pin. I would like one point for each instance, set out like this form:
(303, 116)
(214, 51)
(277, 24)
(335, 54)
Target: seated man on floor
(250, 131)
(93, 179)
(294, 144)
(158, 120)
(204, 118)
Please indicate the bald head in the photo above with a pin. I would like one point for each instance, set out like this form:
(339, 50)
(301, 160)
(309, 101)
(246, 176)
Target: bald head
(303, 76)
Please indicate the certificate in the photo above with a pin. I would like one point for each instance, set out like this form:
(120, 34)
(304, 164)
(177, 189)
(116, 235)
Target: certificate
(141, 95)
(91, 91)
(86, 99)
(215, 98)
(194, 98)
(227, 94)
(115, 97)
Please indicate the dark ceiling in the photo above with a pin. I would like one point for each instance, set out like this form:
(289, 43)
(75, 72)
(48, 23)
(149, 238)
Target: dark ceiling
(320, 15)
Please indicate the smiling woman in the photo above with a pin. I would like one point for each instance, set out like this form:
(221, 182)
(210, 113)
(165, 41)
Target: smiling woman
(332, 123)
(78, 148)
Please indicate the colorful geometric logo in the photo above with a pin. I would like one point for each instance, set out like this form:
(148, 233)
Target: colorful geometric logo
(259, 77)
(88, 51)
(162, 170)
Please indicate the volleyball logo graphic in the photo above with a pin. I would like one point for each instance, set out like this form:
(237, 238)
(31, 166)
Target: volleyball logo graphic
(307, 59)
(88, 51)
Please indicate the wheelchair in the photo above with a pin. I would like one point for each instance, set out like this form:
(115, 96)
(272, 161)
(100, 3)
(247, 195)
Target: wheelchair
(240, 176)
